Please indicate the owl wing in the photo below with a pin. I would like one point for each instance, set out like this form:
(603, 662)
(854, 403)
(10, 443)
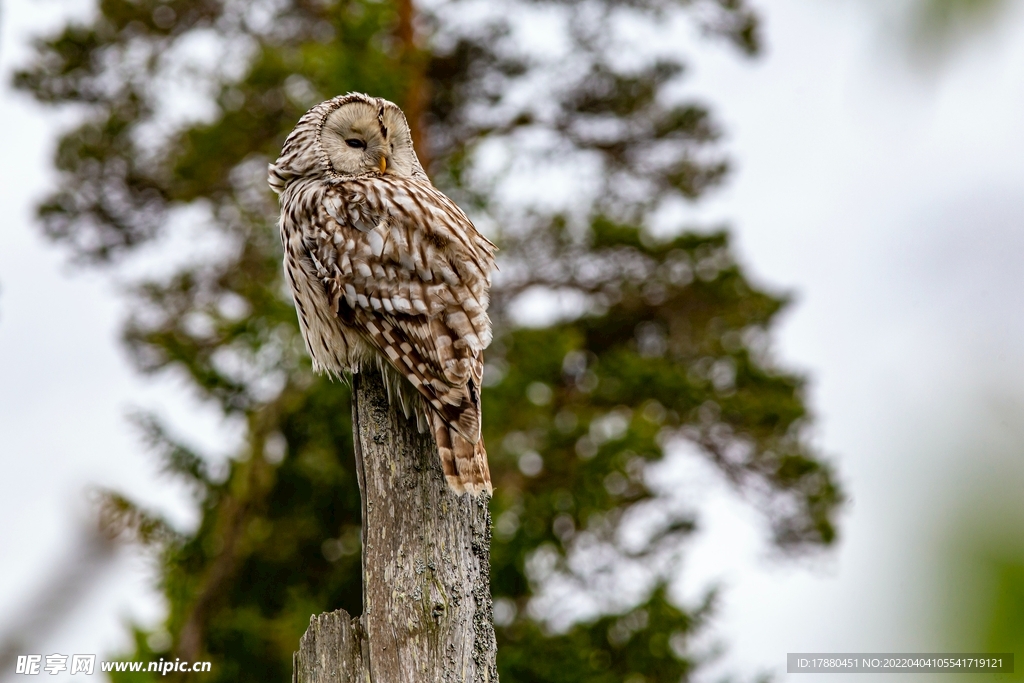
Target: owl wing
(406, 267)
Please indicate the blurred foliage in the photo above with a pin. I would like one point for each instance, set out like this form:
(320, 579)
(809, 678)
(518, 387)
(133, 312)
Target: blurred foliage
(938, 28)
(979, 575)
(1006, 630)
(183, 104)
(982, 593)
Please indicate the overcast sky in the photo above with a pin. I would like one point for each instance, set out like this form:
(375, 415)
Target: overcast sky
(888, 198)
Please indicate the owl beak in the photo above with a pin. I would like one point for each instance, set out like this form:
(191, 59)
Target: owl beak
(383, 164)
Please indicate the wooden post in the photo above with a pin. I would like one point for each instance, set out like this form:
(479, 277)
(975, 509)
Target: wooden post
(426, 565)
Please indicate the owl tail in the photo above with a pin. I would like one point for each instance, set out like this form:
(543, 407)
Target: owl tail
(464, 463)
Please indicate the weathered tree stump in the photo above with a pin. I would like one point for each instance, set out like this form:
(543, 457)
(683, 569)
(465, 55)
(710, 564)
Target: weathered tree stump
(426, 565)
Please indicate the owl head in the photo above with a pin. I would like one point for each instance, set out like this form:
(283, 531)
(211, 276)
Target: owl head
(349, 135)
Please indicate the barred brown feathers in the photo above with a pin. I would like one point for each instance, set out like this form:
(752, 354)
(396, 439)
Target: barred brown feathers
(384, 267)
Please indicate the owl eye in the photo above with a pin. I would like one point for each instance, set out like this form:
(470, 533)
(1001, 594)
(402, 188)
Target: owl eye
(355, 143)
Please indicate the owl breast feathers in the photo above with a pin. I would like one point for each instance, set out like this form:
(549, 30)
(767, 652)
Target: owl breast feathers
(385, 268)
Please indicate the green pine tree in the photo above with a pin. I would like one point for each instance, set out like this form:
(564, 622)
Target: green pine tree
(183, 104)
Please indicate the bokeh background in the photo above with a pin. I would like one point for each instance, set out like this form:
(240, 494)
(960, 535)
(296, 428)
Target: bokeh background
(879, 177)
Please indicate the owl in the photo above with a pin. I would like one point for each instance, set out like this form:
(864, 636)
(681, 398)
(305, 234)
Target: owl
(386, 269)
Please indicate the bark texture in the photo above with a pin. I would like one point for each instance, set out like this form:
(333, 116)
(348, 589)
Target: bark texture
(331, 650)
(427, 613)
